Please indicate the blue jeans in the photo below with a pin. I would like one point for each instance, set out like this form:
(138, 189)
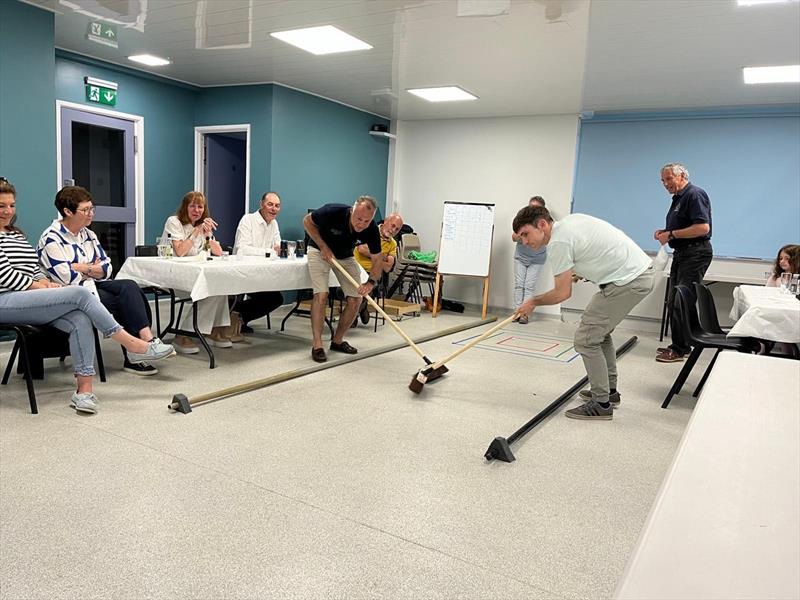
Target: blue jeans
(72, 309)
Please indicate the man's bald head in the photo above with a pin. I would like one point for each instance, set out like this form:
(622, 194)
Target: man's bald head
(391, 225)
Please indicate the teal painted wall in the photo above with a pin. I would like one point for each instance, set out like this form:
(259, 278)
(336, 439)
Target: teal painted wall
(168, 110)
(27, 112)
(238, 105)
(322, 152)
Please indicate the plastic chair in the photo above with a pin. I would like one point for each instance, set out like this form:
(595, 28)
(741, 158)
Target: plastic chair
(32, 354)
(686, 311)
(413, 272)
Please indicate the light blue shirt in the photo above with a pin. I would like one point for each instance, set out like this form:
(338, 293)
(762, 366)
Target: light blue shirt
(528, 256)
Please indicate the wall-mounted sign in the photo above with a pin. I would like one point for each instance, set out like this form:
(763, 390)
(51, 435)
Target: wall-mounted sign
(102, 33)
(101, 91)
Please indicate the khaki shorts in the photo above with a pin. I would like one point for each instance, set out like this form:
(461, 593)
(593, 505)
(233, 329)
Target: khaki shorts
(320, 273)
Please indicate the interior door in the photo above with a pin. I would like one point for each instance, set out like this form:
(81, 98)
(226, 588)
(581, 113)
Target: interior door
(97, 152)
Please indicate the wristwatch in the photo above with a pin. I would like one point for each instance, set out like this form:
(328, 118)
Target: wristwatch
(671, 235)
(373, 281)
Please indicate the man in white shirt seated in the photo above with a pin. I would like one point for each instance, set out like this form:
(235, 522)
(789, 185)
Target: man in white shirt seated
(257, 234)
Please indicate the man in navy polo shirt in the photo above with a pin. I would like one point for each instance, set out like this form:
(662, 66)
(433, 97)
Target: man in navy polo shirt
(688, 232)
(334, 230)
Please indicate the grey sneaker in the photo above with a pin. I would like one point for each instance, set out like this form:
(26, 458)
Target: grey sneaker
(156, 350)
(84, 402)
(591, 411)
(613, 398)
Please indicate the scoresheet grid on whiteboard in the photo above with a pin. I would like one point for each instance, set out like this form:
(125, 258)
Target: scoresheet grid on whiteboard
(466, 244)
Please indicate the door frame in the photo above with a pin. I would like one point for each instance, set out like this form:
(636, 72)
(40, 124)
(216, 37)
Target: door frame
(199, 134)
(138, 154)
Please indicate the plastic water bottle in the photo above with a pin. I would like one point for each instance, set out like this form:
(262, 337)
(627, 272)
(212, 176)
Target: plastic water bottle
(168, 247)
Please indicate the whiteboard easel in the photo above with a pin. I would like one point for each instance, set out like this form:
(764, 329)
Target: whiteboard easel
(465, 245)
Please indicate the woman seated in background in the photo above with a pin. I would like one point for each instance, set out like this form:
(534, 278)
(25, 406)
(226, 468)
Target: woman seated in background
(70, 254)
(28, 297)
(787, 261)
(188, 229)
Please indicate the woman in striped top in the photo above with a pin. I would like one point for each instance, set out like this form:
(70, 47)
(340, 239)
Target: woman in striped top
(27, 297)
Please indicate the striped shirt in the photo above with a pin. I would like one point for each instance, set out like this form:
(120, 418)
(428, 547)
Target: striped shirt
(19, 265)
(59, 249)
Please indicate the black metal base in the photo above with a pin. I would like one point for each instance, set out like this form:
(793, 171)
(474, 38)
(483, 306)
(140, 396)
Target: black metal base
(500, 450)
(180, 403)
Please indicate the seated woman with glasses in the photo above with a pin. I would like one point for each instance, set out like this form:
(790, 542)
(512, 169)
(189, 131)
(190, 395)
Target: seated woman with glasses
(70, 254)
(189, 229)
(27, 297)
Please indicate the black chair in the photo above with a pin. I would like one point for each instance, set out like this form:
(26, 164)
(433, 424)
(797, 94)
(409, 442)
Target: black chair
(707, 310)
(686, 311)
(33, 344)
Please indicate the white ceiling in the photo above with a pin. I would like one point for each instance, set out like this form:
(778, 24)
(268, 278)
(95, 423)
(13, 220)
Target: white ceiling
(521, 57)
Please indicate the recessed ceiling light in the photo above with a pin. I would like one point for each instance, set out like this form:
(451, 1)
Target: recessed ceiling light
(754, 2)
(450, 93)
(149, 60)
(784, 74)
(326, 39)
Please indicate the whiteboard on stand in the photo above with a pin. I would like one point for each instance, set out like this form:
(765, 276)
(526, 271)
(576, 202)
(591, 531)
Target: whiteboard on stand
(465, 247)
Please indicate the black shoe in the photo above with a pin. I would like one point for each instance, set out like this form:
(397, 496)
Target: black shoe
(139, 368)
(364, 312)
(318, 355)
(343, 347)
(246, 329)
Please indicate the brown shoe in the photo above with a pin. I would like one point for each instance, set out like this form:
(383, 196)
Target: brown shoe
(318, 355)
(343, 347)
(662, 350)
(670, 356)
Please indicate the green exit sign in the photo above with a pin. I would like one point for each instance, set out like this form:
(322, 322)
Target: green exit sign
(102, 33)
(101, 95)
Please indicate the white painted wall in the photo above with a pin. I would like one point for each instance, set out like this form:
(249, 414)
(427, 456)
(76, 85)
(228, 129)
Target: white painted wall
(504, 161)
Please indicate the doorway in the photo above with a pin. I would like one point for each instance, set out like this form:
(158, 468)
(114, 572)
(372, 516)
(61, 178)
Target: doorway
(222, 173)
(98, 150)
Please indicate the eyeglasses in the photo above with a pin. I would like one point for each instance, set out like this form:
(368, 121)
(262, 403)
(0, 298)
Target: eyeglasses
(87, 211)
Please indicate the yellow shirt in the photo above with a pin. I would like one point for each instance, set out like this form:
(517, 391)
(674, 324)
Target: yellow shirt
(388, 247)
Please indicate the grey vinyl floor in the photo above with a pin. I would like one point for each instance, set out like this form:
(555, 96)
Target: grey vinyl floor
(339, 484)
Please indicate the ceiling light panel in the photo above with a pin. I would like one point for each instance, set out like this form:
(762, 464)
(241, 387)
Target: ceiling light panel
(149, 60)
(755, 2)
(326, 39)
(783, 74)
(450, 93)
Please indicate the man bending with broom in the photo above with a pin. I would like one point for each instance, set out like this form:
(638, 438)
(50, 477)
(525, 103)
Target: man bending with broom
(597, 251)
(334, 230)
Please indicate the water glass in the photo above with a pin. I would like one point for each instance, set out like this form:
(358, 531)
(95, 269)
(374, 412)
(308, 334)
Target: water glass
(786, 282)
(162, 247)
(794, 286)
(290, 248)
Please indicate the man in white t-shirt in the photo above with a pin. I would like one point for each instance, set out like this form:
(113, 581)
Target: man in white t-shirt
(257, 234)
(599, 252)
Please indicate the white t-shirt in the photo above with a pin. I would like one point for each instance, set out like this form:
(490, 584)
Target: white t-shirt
(595, 250)
(254, 235)
(180, 232)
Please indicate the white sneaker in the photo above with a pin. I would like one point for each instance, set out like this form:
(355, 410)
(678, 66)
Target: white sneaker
(156, 350)
(84, 402)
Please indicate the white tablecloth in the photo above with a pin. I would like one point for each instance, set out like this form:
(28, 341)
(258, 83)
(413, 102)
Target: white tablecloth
(221, 277)
(765, 313)
(725, 523)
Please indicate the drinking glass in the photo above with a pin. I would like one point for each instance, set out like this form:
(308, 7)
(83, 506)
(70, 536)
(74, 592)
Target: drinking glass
(786, 282)
(162, 247)
(290, 248)
(794, 286)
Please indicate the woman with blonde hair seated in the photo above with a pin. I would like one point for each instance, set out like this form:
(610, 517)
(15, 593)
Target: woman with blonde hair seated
(188, 229)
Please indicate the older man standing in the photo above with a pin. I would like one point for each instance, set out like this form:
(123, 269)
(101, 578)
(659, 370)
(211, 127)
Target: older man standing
(334, 230)
(388, 229)
(256, 234)
(688, 232)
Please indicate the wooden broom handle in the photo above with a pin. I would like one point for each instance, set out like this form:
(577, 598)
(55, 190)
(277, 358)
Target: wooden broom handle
(377, 307)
